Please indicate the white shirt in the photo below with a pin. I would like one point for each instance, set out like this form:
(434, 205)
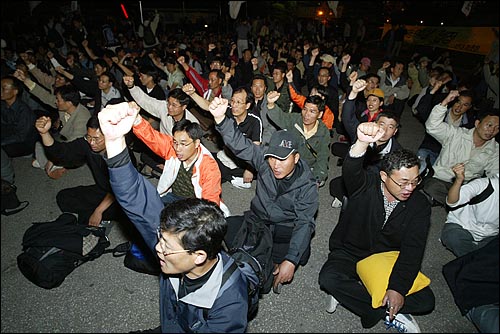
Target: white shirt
(481, 219)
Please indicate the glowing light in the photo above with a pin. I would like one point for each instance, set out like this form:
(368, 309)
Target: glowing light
(124, 11)
(320, 12)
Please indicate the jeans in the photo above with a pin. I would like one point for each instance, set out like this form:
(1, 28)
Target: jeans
(459, 240)
(7, 169)
(485, 318)
(423, 153)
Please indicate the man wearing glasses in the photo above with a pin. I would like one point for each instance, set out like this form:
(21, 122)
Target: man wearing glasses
(187, 238)
(169, 111)
(384, 213)
(189, 168)
(93, 203)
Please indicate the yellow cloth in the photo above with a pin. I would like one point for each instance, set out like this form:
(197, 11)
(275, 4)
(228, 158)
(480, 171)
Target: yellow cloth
(375, 271)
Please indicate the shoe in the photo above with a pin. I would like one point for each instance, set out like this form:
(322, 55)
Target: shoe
(238, 183)
(336, 203)
(10, 211)
(150, 330)
(404, 323)
(56, 172)
(107, 224)
(35, 164)
(331, 304)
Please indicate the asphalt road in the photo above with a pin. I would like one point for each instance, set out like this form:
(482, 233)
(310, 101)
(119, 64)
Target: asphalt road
(104, 296)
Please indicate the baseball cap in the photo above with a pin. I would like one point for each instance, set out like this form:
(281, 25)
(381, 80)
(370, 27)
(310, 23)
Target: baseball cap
(328, 58)
(366, 61)
(282, 144)
(424, 59)
(377, 92)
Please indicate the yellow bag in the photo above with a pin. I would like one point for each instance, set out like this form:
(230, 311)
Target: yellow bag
(375, 271)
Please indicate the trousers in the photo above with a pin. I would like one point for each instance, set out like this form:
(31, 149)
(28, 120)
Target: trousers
(338, 278)
(83, 200)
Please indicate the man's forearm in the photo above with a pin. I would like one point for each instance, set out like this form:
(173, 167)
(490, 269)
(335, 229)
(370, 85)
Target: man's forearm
(454, 192)
(47, 139)
(358, 149)
(105, 203)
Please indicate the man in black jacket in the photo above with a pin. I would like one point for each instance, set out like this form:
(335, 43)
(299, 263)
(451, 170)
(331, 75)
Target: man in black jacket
(286, 195)
(387, 119)
(384, 213)
(93, 203)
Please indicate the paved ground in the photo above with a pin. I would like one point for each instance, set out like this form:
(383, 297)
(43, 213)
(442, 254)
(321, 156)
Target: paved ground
(104, 296)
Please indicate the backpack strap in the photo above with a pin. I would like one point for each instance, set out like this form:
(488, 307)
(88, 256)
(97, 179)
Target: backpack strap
(119, 250)
(225, 277)
(478, 198)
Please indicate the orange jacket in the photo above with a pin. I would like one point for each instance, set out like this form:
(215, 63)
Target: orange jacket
(300, 100)
(206, 177)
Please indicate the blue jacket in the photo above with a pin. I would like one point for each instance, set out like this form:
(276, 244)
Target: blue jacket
(227, 305)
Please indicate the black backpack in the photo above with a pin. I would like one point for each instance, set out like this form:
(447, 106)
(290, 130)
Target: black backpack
(10, 202)
(138, 257)
(52, 250)
(251, 250)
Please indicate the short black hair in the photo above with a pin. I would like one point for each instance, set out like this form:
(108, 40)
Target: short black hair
(69, 93)
(260, 76)
(193, 130)
(401, 158)
(389, 114)
(151, 71)
(180, 96)
(93, 123)
(317, 100)
(488, 112)
(200, 221)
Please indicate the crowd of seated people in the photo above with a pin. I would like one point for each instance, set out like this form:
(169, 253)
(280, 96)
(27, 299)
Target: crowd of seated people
(275, 110)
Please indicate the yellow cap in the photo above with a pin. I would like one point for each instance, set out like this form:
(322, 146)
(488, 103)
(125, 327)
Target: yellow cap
(377, 92)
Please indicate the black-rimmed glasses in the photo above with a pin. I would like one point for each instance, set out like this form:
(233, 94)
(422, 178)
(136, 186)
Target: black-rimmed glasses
(405, 184)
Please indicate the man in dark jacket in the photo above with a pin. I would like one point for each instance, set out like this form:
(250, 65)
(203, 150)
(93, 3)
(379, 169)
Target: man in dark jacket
(388, 143)
(384, 213)
(93, 203)
(286, 195)
(186, 236)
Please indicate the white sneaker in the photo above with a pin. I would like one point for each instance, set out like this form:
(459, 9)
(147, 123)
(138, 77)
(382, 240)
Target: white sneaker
(331, 305)
(404, 323)
(238, 183)
(336, 203)
(35, 164)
